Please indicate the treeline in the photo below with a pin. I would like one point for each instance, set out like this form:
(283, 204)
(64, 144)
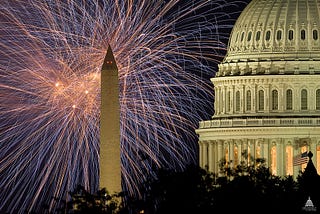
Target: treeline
(246, 188)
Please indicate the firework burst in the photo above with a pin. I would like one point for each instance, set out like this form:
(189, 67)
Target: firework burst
(51, 53)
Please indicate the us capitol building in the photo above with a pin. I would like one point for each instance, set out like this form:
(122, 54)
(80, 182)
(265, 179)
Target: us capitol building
(267, 89)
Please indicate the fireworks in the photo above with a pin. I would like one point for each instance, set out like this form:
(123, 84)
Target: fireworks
(51, 52)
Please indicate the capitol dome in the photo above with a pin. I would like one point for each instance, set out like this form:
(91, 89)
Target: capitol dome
(267, 89)
(275, 37)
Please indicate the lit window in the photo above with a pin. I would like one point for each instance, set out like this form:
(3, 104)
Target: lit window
(258, 152)
(318, 99)
(304, 99)
(227, 156)
(274, 100)
(289, 99)
(289, 160)
(318, 159)
(235, 155)
(238, 101)
(249, 155)
(290, 36)
(261, 100)
(248, 101)
(274, 160)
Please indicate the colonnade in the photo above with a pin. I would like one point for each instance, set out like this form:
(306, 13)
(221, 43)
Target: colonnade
(256, 95)
(278, 153)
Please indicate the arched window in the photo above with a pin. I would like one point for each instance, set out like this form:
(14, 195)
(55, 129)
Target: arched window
(274, 100)
(268, 35)
(242, 36)
(289, 160)
(249, 36)
(279, 35)
(290, 35)
(289, 99)
(315, 34)
(248, 106)
(303, 34)
(238, 101)
(228, 101)
(261, 100)
(304, 99)
(318, 99)
(258, 35)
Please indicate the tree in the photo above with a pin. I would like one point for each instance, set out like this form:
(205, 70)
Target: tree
(249, 187)
(309, 183)
(185, 191)
(102, 202)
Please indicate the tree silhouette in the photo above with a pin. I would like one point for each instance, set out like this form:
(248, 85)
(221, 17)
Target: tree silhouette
(249, 187)
(309, 183)
(83, 202)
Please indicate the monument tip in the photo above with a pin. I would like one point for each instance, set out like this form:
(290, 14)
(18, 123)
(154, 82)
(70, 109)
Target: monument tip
(109, 60)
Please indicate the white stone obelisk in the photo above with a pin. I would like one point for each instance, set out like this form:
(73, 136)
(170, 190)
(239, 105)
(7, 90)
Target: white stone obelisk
(110, 166)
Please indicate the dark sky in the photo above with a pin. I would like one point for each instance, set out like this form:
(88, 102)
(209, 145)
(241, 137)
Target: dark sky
(228, 15)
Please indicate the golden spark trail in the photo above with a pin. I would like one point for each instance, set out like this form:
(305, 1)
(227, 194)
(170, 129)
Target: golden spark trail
(51, 53)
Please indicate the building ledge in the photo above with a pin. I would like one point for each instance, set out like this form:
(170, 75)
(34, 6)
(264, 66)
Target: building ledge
(260, 122)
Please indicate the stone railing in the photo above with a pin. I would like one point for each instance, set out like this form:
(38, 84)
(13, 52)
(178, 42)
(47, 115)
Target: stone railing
(260, 122)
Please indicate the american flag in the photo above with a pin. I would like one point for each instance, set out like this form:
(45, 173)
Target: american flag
(301, 159)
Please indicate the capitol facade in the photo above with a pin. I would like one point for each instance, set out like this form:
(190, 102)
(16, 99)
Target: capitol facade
(267, 89)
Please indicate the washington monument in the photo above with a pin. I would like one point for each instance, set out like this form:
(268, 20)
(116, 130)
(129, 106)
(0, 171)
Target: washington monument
(110, 168)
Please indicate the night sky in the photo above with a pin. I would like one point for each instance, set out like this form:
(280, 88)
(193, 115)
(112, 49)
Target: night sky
(51, 53)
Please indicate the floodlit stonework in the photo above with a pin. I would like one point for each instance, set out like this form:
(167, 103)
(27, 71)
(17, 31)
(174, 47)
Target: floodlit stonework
(267, 89)
(109, 163)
